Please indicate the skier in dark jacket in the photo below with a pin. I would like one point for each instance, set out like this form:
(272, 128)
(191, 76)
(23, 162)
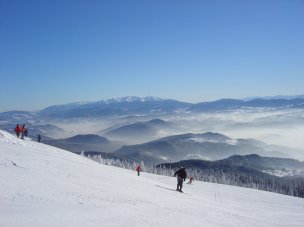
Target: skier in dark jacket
(181, 176)
(25, 132)
(38, 138)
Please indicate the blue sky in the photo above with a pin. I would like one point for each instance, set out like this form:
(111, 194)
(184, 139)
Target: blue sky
(55, 52)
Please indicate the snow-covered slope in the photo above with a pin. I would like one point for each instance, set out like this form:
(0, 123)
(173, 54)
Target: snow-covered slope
(44, 186)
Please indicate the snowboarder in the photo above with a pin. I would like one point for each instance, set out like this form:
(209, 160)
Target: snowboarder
(190, 180)
(38, 138)
(138, 170)
(181, 176)
(17, 130)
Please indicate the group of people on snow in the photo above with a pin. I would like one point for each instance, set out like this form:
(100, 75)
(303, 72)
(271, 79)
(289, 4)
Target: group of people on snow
(181, 175)
(21, 130)
(24, 132)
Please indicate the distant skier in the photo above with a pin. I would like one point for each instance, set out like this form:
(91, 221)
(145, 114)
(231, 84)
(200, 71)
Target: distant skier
(17, 130)
(181, 176)
(138, 169)
(38, 138)
(23, 128)
(190, 180)
(25, 132)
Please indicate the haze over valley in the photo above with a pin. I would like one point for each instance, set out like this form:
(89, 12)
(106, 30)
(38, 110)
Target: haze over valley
(279, 123)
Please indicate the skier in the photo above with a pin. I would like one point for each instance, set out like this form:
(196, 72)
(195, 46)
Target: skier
(190, 180)
(23, 131)
(17, 130)
(38, 138)
(181, 176)
(138, 169)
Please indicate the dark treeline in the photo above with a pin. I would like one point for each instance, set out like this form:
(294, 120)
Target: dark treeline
(293, 186)
(255, 179)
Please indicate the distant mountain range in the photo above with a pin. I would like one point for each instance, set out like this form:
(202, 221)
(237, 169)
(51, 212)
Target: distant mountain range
(147, 106)
(205, 146)
(80, 143)
(139, 131)
(245, 164)
(288, 97)
(152, 105)
(230, 104)
(208, 146)
(114, 107)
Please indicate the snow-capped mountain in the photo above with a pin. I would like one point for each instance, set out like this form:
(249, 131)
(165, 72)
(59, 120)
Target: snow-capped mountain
(132, 105)
(45, 186)
(128, 99)
(287, 97)
(112, 107)
(233, 104)
(131, 99)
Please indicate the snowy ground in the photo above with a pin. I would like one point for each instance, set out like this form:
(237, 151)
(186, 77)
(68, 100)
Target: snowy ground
(44, 186)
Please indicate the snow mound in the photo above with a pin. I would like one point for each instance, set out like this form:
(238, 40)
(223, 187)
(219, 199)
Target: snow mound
(7, 138)
(46, 186)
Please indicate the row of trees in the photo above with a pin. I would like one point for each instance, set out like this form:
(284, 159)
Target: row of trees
(258, 180)
(284, 185)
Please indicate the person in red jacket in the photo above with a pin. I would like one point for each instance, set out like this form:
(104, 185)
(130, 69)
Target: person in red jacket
(17, 130)
(190, 180)
(23, 130)
(138, 170)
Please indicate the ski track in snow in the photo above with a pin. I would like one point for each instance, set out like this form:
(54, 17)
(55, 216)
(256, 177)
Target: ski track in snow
(45, 186)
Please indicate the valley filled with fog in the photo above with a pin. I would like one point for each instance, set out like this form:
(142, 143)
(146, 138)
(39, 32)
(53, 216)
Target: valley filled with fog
(133, 120)
(278, 127)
